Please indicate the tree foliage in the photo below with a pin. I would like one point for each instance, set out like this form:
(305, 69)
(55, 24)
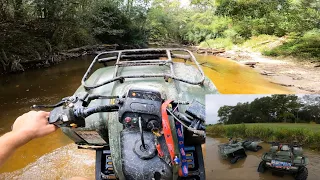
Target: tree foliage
(37, 28)
(274, 109)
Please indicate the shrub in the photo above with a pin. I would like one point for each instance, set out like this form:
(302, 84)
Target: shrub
(262, 133)
(285, 135)
(217, 43)
(307, 45)
(315, 141)
(216, 130)
(261, 42)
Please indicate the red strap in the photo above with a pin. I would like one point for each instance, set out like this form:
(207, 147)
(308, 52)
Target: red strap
(160, 152)
(167, 129)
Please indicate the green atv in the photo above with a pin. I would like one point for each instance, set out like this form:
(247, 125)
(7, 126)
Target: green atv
(142, 112)
(236, 149)
(285, 158)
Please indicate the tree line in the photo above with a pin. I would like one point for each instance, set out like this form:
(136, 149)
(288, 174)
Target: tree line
(226, 23)
(273, 109)
(38, 29)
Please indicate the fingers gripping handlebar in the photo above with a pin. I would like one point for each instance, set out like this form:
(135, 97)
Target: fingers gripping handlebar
(72, 111)
(74, 116)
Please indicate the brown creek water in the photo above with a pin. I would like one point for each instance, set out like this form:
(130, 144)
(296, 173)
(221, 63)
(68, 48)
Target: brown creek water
(217, 168)
(54, 156)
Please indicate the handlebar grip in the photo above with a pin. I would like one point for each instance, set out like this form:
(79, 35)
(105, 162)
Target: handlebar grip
(85, 112)
(64, 116)
(55, 116)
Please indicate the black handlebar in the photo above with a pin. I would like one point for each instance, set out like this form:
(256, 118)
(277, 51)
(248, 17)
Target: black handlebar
(72, 111)
(85, 112)
(67, 116)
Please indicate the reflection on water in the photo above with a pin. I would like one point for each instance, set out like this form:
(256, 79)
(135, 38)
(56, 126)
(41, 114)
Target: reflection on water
(217, 168)
(232, 78)
(18, 92)
(46, 86)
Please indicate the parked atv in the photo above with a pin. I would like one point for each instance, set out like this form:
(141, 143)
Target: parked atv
(285, 158)
(236, 149)
(251, 145)
(143, 115)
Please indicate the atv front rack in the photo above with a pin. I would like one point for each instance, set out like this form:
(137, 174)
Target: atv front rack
(143, 57)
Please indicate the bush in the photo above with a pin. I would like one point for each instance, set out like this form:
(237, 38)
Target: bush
(216, 130)
(235, 37)
(261, 42)
(217, 43)
(307, 46)
(315, 141)
(259, 132)
(284, 135)
(236, 130)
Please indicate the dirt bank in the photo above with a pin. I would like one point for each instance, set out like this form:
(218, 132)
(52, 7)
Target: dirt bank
(298, 76)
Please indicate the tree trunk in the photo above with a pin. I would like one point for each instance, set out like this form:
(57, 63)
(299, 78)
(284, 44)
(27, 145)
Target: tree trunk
(17, 9)
(4, 60)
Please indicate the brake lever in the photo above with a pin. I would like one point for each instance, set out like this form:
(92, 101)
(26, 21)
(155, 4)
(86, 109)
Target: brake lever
(64, 100)
(48, 106)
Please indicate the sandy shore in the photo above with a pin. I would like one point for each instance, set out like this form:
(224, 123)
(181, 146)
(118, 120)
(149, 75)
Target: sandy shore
(299, 77)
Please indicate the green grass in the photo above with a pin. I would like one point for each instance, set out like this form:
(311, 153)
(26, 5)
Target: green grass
(311, 127)
(306, 134)
(261, 43)
(307, 46)
(217, 43)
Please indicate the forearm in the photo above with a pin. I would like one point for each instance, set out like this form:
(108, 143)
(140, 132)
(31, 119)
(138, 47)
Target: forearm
(9, 142)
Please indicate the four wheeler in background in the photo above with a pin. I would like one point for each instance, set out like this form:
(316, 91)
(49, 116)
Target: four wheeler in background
(251, 145)
(236, 149)
(232, 150)
(286, 159)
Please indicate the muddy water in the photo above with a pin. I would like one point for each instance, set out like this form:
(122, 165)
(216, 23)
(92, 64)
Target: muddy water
(48, 85)
(217, 168)
(232, 78)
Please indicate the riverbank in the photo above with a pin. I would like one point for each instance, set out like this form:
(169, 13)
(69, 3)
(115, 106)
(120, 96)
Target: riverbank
(306, 134)
(38, 43)
(299, 76)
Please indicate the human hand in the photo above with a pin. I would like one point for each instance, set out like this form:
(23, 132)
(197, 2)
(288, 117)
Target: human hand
(33, 124)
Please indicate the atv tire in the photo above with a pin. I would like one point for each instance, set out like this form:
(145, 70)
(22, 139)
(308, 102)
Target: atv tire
(257, 148)
(302, 174)
(262, 167)
(234, 160)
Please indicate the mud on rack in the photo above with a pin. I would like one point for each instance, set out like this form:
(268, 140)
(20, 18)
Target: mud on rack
(143, 57)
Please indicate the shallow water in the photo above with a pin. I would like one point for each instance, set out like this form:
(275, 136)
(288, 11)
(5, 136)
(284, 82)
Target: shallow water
(232, 78)
(217, 168)
(48, 85)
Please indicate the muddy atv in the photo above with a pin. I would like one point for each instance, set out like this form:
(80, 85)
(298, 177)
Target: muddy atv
(142, 112)
(236, 149)
(232, 150)
(285, 159)
(251, 145)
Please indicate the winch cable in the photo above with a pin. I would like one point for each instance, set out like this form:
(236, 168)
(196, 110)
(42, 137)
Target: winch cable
(169, 139)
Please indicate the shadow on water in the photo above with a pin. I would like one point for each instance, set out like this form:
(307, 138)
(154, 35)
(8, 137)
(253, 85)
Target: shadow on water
(48, 85)
(217, 168)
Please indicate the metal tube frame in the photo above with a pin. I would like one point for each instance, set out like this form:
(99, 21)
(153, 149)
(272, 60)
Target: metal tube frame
(126, 63)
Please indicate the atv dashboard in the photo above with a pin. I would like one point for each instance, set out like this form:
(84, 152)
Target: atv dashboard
(141, 105)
